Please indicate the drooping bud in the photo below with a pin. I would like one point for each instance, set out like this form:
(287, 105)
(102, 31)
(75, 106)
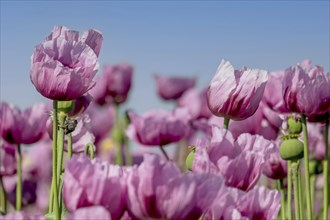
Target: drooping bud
(292, 149)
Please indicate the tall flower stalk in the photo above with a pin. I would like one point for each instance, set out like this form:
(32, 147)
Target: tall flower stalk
(53, 200)
(19, 179)
(307, 176)
(295, 177)
(326, 172)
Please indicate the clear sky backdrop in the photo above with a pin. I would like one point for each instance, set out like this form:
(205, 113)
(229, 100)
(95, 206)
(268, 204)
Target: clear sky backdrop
(182, 38)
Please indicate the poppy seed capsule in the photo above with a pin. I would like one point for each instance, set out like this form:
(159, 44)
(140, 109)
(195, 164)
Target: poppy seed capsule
(292, 149)
(190, 159)
(65, 106)
(295, 126)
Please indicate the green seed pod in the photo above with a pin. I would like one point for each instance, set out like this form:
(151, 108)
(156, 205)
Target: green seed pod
(292, 149)
(190, 159)
(65, 106)
(294, 126)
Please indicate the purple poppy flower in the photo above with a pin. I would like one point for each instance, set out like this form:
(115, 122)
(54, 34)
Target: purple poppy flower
(118, 78)
(240, 161)
(22, 127)
(159, 127)
(7, 159)
(236, 94)
(80, 105)
(88, 183)
(158, 190)
(224, 205)
(275, 167)
(36, 178)
(196, 103)
(102, 120)
(114, 85)
(316, 140)
(100, 91)
(40, 153)
(63, 66)
(90, 213)
(259, 203)
(173, 87)
(29, 190)
(264, 122)
(306, 90)
(22, 216)
(273, 95)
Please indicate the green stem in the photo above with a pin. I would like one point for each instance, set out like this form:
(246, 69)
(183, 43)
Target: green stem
(128, 154)
(326, 172)
(306, 161)
(89, 151)
(280, 187)
(164, 153)
(60, 152)
(69, 145)
(19, 179)
(3, 198)
(226, 123)
(55, 204)
(301, 200)
(312, 182)
(289, 200)
(295, 174)
(60, 144)
(116, 135)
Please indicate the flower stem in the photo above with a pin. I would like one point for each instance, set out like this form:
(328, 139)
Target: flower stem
(55, 203)
(60, 152)
(280, 187)
(312, 182)
(117, 137)
(89, 151)
(19, 179)
(164, 153)
(3, 199)
(226, 123)
(60, 144)
(306, 161)
(69, 145)
(289, 208)
(301, 200)
(326, 172)
(295, 174)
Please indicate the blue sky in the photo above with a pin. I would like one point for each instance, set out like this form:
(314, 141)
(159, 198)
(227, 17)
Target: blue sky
(169, 38)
